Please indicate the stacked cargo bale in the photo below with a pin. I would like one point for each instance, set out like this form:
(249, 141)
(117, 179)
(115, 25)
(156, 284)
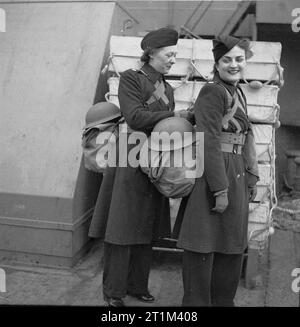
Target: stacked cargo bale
(263, 78)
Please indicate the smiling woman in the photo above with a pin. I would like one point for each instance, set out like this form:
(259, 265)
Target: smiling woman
(214, 227)
(231, 65)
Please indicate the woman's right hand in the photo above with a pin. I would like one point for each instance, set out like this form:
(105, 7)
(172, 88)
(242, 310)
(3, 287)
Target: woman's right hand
(221, 202)
(187, 114)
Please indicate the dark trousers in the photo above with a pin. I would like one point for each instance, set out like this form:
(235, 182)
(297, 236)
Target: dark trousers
(210, 279)
(126, 269)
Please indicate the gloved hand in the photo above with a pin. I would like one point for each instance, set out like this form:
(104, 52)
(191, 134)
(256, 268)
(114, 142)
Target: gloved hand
(221, 202)
(187, 114)
(252, 193)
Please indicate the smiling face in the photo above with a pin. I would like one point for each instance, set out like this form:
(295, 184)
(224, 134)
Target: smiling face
(231, 66)
(163, 59)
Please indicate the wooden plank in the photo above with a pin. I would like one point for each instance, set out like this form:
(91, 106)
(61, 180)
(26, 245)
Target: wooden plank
(126, 52)
(266, 96)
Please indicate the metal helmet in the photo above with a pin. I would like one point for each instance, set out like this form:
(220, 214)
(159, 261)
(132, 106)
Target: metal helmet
(171, 133)
(100, 113)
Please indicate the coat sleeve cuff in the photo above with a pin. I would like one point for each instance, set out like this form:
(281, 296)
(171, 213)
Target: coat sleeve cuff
(221, 192)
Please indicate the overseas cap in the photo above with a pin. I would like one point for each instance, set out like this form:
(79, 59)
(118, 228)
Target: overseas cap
(163, 37)
(223, 44)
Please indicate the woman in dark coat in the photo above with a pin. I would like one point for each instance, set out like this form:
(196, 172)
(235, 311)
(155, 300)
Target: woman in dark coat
(129, 210)
(214, 228)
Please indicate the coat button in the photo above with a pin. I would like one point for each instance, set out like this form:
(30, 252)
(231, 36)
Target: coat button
(238, 176)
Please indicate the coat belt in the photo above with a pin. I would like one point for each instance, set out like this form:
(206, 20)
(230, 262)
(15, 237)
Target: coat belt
(232, 142)
(233, 138)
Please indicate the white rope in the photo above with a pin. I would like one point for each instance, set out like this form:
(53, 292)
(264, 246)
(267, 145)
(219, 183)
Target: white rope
(195, 68)
(192, 61)
(289, 211)
(110, 60)
(279, 80)
(273, 199)
(106, 96)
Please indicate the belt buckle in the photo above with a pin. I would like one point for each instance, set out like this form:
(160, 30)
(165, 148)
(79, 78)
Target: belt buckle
(235, 148)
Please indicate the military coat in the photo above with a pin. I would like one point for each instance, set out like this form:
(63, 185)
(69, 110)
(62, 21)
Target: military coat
(202, 229)
(129, 209)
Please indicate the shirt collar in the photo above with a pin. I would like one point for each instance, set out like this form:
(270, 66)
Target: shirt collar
(153, 74)
(230, 87)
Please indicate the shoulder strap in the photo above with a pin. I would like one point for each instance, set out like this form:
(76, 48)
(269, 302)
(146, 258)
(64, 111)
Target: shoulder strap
(232, 105)
(242, 99)
(159, 89)
(142, 72)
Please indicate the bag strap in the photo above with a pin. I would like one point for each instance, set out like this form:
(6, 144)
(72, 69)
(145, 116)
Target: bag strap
(159, 91)
(232, 105)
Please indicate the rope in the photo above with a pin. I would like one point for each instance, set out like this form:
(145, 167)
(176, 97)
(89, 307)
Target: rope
(292, 222)
(192, 62)
(106, 96)
(289, 211)
(269, 229)
(110, 60)
(195, 68)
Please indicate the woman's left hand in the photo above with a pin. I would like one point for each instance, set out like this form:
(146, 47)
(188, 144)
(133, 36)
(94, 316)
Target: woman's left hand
(252, 192)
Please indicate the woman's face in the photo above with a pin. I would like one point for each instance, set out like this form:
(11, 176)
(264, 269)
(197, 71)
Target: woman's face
(163, 59)
(231, 66)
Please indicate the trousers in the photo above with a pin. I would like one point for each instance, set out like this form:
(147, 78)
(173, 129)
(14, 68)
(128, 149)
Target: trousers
(126, 269)
(210, 279)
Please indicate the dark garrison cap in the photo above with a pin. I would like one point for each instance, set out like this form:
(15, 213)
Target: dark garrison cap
(223, 44)
(163, 37)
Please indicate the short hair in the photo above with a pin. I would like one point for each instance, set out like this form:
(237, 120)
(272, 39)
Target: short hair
(145, 57)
